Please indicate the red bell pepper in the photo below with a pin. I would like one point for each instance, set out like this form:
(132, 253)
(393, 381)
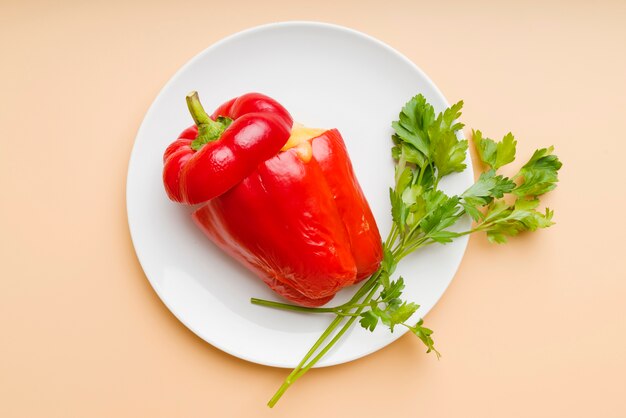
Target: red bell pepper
(217, 153)
(299, 219)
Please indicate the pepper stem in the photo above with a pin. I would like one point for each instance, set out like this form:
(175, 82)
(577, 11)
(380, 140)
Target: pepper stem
(208, 129)
(199, 115)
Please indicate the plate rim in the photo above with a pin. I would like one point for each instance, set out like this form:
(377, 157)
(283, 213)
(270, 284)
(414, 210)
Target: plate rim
(242, 33)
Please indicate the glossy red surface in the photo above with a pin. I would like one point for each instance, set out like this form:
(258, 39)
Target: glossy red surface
(305, 228)
(330, 152)
(260, 127)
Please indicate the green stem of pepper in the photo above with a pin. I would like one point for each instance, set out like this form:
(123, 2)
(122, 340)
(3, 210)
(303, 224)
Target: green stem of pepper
(208, 129)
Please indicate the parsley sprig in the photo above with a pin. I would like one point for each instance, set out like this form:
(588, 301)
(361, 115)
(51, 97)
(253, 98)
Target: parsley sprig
(426, 149)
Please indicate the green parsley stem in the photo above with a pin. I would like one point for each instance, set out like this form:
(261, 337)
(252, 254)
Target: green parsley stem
(367, 292)
(292, 376)
(372, 286)
(422, 242)
(437, 178)
(290, 307)
(339, 334)
(421, 175)
(477, 228)
(393, 234)
(337, 310)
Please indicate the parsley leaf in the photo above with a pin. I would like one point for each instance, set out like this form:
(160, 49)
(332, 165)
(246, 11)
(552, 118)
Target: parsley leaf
(393, 312)
(399, 313)
(443, 237)
(416, 117)
(504, 221)
(399, 210)
(495, 154)
(389, 263)
(393, 291)
(447, 151)
(487, 187)
(424, 334)
(447, 120)
(368, 320)
(540, 173)
(443, 212)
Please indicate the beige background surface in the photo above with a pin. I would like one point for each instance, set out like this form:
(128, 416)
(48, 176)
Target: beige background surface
(534, 328)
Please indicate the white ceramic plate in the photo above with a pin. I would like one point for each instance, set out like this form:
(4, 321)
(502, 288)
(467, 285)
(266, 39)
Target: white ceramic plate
(326, 76)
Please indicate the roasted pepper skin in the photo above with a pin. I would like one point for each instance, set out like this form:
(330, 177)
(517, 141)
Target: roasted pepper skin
(302, 224)
(260, 127)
